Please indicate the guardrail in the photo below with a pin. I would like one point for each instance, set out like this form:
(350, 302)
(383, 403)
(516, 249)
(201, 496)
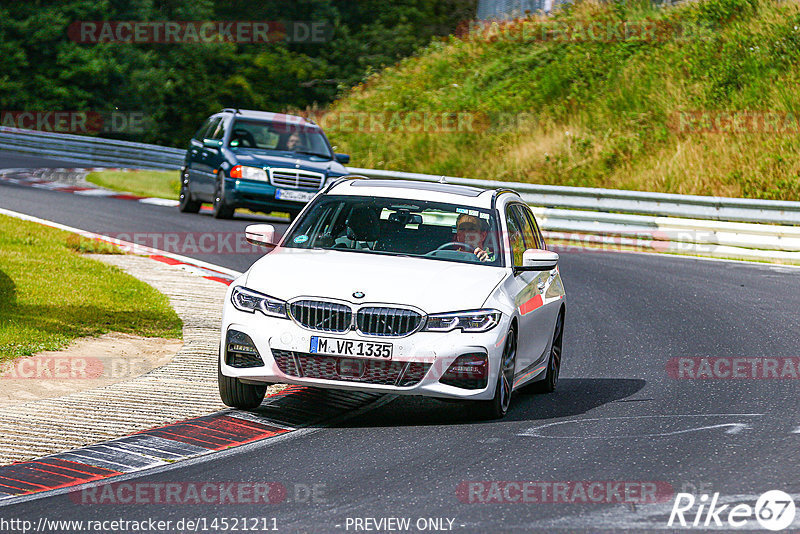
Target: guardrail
(683, 224)
(617, 200)
(93, 151)
(690, 224)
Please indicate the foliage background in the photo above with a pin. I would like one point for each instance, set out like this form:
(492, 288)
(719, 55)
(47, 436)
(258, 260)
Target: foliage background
(179, 85)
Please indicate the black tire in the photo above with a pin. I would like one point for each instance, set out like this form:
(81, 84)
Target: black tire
(220, 209)
(497, 407)
(550, 382)
(238, 395)
(185, 202)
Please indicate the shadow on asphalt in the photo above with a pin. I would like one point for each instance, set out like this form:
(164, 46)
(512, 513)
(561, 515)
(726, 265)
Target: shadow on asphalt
(574, 396)
(252, 217)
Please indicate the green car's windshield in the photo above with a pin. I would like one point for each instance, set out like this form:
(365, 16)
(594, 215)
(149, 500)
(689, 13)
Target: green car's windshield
(279, 136)
(397, 226)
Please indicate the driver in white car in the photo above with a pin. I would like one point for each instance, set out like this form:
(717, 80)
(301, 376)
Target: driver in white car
(472, 231)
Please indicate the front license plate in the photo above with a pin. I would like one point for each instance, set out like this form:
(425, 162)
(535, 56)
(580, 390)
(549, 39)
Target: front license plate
(348, 347)
(297, 196)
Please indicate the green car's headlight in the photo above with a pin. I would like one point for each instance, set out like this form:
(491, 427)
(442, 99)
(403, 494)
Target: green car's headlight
(249, 173)
(251, 301)
(466, 321)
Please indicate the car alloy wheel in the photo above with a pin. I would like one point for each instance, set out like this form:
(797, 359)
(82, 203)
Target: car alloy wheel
(548, 385)
(507, 374)
(185, 202)
(497, 407)
(220, 209)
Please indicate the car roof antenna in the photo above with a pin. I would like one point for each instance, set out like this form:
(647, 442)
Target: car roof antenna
(442, 180)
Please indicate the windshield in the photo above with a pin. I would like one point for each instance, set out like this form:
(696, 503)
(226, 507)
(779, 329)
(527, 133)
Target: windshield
(395, 226)
(279, 136)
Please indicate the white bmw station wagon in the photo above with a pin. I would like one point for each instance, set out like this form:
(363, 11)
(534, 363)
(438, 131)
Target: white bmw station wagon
(402, 287)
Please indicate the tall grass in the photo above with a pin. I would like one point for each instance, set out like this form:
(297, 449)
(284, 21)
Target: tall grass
(602, 112)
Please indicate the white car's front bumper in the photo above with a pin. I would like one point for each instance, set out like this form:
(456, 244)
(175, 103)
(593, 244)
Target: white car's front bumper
(437, 350)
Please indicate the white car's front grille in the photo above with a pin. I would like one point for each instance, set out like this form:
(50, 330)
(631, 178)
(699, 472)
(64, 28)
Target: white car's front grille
(322, 316)
(296, 178)
(369, 320)
(387, 321)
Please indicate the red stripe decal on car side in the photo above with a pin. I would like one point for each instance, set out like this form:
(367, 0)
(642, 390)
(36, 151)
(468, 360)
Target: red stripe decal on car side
(531, 304)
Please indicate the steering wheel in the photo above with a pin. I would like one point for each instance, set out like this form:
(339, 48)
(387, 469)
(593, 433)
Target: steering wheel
(455, 244)
(245, 137)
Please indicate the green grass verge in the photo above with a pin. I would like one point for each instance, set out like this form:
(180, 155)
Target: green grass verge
(603, 112)
(51, 295)
(145, 183)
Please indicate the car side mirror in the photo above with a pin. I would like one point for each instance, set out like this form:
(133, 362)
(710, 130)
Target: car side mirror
(535, 259)
(262, 235)
(212, 143)
(344, 159)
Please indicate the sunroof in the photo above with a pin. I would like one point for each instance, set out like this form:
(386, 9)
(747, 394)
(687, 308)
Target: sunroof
(453, 189)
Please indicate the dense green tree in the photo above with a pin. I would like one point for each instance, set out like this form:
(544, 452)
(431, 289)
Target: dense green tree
(177, 85)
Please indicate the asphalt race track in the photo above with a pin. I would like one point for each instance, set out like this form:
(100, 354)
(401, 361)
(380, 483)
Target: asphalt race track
(618, 415)
(15, 159)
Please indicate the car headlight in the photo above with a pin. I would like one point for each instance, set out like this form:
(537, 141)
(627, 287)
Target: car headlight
(251, 301)
(467, 321)
(249, 173)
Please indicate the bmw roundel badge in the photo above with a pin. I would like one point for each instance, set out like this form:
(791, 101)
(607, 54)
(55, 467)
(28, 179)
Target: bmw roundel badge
(359, 294)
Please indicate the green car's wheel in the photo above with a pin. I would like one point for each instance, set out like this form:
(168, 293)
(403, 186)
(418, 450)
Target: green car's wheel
(221, 210)
(185, 202)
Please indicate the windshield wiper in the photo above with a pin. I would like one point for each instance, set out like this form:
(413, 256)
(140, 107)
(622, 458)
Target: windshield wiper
(311, 154)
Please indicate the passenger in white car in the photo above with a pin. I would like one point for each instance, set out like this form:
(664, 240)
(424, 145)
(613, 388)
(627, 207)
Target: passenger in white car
(362, 230)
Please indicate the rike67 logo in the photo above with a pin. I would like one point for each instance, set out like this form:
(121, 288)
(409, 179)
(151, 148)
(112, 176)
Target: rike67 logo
(774, 510)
